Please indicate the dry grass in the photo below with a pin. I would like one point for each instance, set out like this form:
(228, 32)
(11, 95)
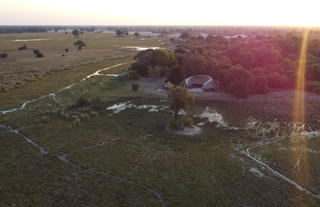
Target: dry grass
(22, 67)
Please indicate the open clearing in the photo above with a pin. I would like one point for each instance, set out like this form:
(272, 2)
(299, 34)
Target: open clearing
(126, 158)
(22, 66)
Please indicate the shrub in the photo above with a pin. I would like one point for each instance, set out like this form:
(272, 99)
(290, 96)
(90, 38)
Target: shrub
(135, 86)
(174, 124)
(188, 121)
(24, 47)
(38, 53)
(81, 102)
(45, 119)
(133, 75)
(3, 90)
(76, 122)
(3, 55)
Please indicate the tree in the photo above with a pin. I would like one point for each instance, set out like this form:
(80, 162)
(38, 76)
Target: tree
(76, 33)
(120, 33)
(137, 34)
(176, 75)
(149, 59)
(38, 53)
(80, 43)
(23, 47)
(179, 99)
(276, 80)
(238, 82)
(3, 55)
(185, 35)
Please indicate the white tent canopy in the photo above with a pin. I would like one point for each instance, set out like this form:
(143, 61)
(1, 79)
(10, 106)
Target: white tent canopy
(204, 82)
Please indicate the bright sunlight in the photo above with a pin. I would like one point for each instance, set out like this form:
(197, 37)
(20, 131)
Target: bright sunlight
(166, 12)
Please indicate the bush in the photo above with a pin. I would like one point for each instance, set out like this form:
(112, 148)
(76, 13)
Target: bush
(76, 122)
(174, 124)
(133, 75)
(38, 53)
(3, 55)
(45, 119)
(188, 121)
(24, 47)
(135, 86)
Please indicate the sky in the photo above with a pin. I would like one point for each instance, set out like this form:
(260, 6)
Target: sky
(160, 12)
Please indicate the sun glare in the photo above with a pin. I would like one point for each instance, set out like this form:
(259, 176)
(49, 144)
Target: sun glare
(301, 171)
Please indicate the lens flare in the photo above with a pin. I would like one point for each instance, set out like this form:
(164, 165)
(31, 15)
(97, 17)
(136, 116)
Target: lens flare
(301, 170)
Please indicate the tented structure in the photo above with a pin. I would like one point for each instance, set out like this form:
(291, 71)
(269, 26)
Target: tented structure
(204, 82)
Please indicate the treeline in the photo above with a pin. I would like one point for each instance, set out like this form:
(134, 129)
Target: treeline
(247, 66)
(37, 29)
(243, 66)
(22, 29)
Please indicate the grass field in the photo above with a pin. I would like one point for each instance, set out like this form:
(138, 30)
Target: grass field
(129, 158)
(22, 67)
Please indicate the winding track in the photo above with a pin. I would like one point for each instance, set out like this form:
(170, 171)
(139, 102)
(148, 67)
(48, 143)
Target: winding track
(246, 152)
(158, 195)
(63, 157)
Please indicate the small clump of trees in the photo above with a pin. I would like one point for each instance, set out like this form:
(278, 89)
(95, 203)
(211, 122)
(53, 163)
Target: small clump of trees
(81, 110)
(121, 33)
(153, 62)
(79, 44)
(3, 55)
(38, 53)
(76, 33)
(23, 47)
(137, 34)
(135, 87)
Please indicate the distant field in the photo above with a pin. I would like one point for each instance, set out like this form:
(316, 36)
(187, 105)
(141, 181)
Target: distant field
(22, 67)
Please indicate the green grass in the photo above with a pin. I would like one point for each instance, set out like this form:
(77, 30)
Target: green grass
(202, 170)
(22, 67)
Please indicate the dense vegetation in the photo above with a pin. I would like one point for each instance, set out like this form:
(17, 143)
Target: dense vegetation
(243, 66)
(247, 66)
